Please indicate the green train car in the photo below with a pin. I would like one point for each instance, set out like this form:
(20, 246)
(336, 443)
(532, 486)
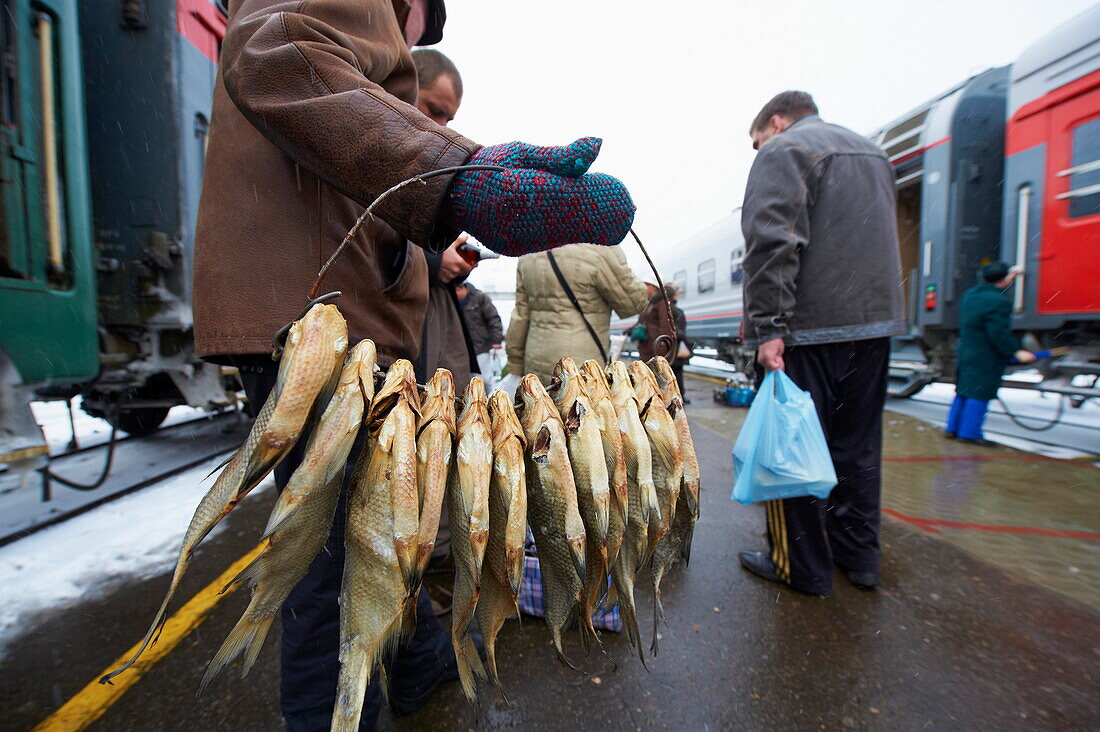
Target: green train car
(104, 110)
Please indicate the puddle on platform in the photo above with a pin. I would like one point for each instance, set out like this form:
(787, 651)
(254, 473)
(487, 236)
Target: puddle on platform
(1035, 518)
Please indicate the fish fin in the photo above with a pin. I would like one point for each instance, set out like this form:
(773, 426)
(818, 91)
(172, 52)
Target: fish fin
(685, 547)
(246, 637)
(384, 682)
(577, 553)
(219, 466)
(675, 406)
(280, 512)
(574, 418)
(408, 622)
(541, 448)
(663, 447)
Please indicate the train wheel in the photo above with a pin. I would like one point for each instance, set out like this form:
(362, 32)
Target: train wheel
(138, 421)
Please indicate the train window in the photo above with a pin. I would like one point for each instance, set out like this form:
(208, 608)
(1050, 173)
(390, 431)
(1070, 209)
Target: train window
(1084, 171)
(9, 77)
(737, 268)
(680, 280)
(706, 275)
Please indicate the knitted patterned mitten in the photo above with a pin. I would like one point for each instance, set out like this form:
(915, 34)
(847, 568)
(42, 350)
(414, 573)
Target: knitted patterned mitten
(544, 200)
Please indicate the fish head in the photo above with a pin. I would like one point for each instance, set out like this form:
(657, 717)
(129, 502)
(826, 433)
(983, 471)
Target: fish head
(533, 404)
(438, 401)
(618, 382)
(594, 380)
(666, 378)
(399, 383)
(645, 384)
(475, 405)
(329, 324)
(565, 385)
(475, 393)
(505, 422)
(360, 367)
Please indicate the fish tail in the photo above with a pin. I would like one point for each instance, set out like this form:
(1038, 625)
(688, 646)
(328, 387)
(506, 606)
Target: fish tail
(252, 652)
(159, 619)
(658, 612)
(630, 621)
(246, 637)
(355, 671)
(491, 664)
(562, 658)
(588, 631)
(470, 668)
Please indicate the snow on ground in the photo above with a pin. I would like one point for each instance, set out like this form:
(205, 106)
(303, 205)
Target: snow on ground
(138, 535)
(54, 420)
(1035, 408)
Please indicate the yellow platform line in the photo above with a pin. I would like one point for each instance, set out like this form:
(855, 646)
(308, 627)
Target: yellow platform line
(705, 378)
(90, 703)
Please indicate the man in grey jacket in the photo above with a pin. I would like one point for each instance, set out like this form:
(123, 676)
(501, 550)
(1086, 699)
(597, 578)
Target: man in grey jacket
(822, 297)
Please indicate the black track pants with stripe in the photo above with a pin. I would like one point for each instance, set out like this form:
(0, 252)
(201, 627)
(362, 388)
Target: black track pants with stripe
(809, 535)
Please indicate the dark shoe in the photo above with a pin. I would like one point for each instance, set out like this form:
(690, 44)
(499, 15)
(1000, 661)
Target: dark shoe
(949, 434)
(687, 401)
(760, 564)
(863, 580)
(978, 443)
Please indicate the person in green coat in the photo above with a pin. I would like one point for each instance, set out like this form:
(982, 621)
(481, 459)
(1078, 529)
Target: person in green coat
(986, 346)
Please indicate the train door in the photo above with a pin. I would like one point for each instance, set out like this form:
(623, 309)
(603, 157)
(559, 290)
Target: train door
(14, 250)
(1069, 254)
(47, 327)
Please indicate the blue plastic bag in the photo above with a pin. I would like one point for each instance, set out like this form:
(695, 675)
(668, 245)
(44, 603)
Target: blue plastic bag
(781, 450)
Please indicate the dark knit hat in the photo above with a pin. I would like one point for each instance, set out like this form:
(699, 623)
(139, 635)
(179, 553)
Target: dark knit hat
(433, 29)
(995, 271)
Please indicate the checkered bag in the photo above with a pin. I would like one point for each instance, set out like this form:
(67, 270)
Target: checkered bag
(530, 598)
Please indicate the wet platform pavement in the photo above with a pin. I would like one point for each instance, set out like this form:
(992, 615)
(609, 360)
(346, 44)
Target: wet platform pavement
(989, 617)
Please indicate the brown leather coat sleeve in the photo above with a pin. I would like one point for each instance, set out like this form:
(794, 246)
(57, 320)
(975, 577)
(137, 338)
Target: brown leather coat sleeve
(308, 75)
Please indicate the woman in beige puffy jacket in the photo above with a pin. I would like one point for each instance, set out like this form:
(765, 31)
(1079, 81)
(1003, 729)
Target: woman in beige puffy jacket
(545, 326)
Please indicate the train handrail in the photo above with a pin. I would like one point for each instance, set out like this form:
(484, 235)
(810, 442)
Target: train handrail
(1023, 220)
(49, 141)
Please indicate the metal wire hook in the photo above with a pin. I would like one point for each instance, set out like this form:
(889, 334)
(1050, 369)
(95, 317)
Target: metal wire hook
(663, 342)
(279, 342)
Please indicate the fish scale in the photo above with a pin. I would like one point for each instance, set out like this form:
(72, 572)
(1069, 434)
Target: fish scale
(374, 596)
(503, 568)
(552, 508)
(690, 485)
(585, 445)
(468, 506)
(641, 494)
(434, 450)
(668, 474)
(312, 358)
(594, 385)
(302, 516)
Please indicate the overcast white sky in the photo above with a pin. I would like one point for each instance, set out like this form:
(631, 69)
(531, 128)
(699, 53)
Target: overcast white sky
(672, 87)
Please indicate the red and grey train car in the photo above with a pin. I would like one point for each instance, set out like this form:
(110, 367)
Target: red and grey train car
(1005, 165)
(104, 111)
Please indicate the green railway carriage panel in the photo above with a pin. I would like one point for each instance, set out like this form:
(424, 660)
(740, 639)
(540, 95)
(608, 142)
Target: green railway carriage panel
(47, 312)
